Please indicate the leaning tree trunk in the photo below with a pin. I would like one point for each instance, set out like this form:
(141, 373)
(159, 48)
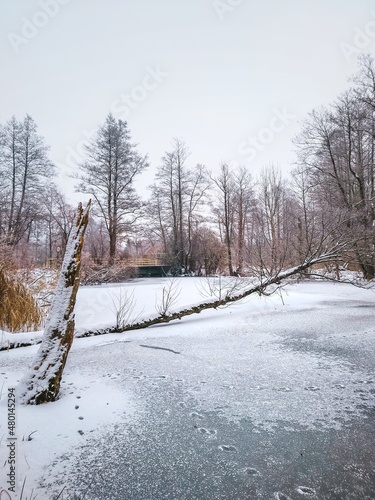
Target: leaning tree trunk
(42, 383)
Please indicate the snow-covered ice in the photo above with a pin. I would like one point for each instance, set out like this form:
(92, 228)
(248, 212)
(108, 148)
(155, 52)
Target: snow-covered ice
(268, 398)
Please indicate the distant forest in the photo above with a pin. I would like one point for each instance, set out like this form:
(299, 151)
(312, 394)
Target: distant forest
(194, 221)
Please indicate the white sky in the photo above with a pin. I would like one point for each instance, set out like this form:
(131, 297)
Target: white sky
(226, 67)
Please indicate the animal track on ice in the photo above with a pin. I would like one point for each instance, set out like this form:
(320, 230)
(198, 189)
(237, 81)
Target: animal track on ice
(305, 490)
(207, 432)
(250, 471)
(227, 386)
(194, 414)
(228, 448)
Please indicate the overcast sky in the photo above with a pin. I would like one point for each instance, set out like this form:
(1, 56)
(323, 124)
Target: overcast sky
(234, 79)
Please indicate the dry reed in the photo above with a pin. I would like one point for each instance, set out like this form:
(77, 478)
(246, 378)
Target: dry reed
(19, 310)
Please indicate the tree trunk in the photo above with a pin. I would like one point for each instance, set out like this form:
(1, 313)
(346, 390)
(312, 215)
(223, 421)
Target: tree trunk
(42, 384)
(112, 246)
(241, 237)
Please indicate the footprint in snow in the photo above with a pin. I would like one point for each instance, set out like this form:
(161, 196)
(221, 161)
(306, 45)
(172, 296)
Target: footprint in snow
(194, 414)
(250, 471)
(305, 490)
(207, 432)
(228, 448)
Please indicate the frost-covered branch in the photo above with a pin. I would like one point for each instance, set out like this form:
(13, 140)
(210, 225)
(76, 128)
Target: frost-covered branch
(123, 307)
(258, 287)
(169, 297)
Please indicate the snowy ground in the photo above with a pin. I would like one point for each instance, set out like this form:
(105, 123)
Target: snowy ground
(266, 399)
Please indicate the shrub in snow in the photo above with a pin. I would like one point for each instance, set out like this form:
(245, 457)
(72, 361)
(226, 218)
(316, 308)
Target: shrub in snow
(19, 310)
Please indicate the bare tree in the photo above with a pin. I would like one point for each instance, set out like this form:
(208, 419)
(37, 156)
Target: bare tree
(224, 210)
(108, 176)
(232, 208)
(243, 204)
(170, 294)
(176, 202)
(208, 252)
(24, 172)
(97, 241)
(276, 229)
(336, 153)
(158, 213)
(58, 219)
(124, 304)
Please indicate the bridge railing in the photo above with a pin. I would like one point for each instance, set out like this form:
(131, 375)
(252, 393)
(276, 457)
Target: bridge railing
(148, 261)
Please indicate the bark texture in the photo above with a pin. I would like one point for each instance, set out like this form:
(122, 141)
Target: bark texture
(42, 383)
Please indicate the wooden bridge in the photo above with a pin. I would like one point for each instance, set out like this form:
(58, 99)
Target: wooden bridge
(155, 266)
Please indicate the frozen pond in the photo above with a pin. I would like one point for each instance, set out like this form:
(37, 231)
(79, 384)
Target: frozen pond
(259, 401)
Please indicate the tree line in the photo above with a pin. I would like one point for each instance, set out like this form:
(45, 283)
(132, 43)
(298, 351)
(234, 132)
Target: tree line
(199, 221)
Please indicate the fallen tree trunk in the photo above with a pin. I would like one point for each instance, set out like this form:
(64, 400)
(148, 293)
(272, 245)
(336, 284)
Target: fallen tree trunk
(42, 383)
(257, 288)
